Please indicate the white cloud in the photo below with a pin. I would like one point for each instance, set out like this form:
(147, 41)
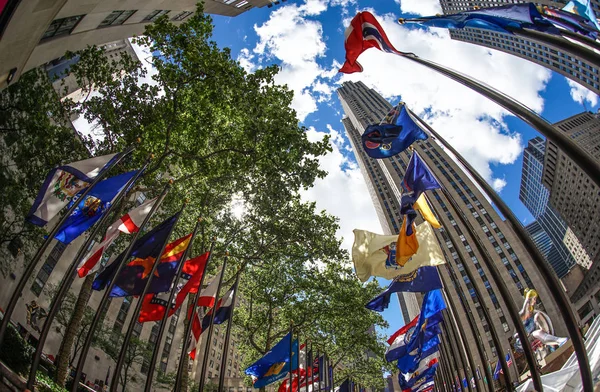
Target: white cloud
(420, 7)
(499, 184)
(245, 59)
(472, 123)
(580, 94)
(343, 192)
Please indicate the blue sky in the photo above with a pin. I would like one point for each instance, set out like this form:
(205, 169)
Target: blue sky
(306, 38)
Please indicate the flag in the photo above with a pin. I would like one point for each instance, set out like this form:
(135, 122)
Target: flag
(386, 140)
(399, 341)
(209, 294)
(418, 379)
(465, 383)
(422, 205)
(363, 33)
(498, 369)
(275, 364)
(504, 19)
(128, 223)
(410, 362)
(583, 8)
(154, 305)
(224, 307)
(299, 376)
(91, 209)
(573, 22)
(62, 184)
(407, 244)
(426, 363)
(421, 280)
(345, 386)
(375, 255)
(133, 277)
(418, 178)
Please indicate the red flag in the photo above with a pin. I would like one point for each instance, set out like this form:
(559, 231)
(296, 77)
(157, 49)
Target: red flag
(363, 33)
(154, 305)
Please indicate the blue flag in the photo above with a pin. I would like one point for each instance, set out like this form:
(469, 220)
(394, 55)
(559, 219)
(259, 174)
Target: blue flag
(418, 178)
(502, 19)
(385, 140)
(583, 8)
(345, 386)
(498, 369)
(275, 364)
(410, 362)
(91, 209)
(133, 277)
(421, 280)
(418, 379)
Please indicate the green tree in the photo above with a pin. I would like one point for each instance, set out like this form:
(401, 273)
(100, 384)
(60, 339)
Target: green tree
(224, 136)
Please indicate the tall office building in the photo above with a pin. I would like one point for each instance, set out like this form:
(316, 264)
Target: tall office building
(577, 198)
(35, 32)
(568, 65)
(565, 250)
(364, 106)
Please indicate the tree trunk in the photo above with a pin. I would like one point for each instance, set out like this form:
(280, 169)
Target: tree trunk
(185, 376)
(66, 346)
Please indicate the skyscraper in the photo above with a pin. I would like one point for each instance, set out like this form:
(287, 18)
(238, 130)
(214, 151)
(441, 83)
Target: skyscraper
(364, 106)
(535, 197)
(568, 65)
(577, 199)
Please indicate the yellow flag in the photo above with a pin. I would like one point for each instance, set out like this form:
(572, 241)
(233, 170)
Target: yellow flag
(423, 206)
(407, 244)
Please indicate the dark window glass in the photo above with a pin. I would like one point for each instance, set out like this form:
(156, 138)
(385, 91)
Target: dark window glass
(60, 27)
(152, 16)
(116, 18)
(182, 15)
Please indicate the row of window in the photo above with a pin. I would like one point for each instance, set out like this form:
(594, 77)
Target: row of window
(64, 26)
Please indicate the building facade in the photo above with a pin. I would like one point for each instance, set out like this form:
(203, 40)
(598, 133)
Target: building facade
(36, 32)
(565, 249)
(568, 65)
(577, 199)
(364, 106)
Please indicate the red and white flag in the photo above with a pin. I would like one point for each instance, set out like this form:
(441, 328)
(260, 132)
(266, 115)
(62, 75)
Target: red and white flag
(298, 375)
(207, 299)
(128, 224)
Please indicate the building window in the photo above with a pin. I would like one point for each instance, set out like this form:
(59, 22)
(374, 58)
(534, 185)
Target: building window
(182, 15)
(46, 270)
(152, 16)
(61, 27)
(116, 18)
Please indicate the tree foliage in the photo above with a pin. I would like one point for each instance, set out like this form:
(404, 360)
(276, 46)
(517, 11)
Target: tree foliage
(228, 138)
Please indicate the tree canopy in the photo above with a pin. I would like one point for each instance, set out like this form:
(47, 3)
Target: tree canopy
(224, 136)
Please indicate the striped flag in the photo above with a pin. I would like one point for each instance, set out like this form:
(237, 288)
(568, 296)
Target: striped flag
(207, 299)
(128, 224)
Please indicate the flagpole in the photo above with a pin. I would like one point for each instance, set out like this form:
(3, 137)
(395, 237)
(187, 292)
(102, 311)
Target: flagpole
(313, 379)
(452, 341)
(163, 323)
(228, 334)
(291, 350)
(474, 332)
(210, 327)
(306, 368)
(453, 365)
(138, 306)
(486, 313)
(445, 362)
(69, 276)
(547, 274)
(584, 160)
(183, 361)
(98, 315)
(463, 343)
(30, 267)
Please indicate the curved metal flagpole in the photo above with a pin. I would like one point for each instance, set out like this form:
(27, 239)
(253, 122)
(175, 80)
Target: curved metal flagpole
(452, 339)
(30, 267)
(544, 269)
(69, 276)
(114, 383)
(163, 323)
(181, 367)
(88, 340)
(584, 160)
(486, 313)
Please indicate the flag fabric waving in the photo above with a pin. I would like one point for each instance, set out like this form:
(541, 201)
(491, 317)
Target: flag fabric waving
(410, 362)
(91, 209)
(421, 280)
(299, 376)
(417, 379)
(583, 9)
(374, 255)
(498, 371)
(133, 277)
(154, 305)
(399, 341)
(128, 223)
(208, 296)
(62, 184)
(224, 307)
(363, 33)
(385, 140)
(275, 364)
(418, 178)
